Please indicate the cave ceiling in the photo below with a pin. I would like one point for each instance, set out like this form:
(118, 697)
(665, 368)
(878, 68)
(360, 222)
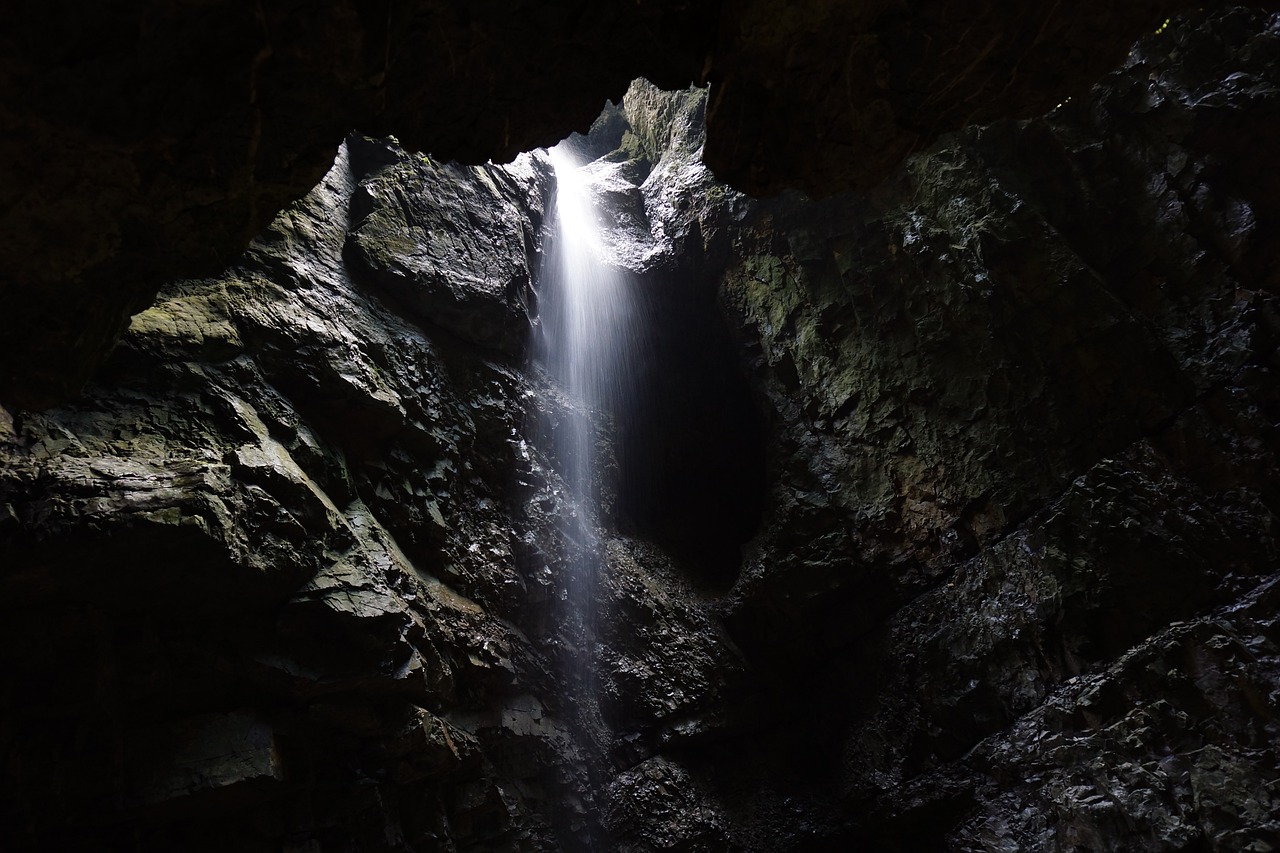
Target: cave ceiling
(145, 141)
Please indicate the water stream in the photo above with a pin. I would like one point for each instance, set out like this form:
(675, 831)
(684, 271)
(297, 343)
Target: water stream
(588, 338)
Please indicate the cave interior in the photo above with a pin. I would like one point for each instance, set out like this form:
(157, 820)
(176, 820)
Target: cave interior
(941, 510)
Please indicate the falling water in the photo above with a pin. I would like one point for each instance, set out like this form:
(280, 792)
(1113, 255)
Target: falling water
(587, 316)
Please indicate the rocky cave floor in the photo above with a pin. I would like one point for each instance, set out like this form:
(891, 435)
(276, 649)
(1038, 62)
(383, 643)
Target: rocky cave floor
(972, 546)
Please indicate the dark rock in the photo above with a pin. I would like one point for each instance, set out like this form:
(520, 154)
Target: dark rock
(952, 548)
(451, 244)
(232, 759)
(658, 805)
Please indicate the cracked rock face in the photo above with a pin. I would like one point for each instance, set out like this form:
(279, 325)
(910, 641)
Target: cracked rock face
(948, 521)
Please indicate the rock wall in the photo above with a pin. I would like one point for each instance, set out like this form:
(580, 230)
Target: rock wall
(963, 535)
(1016, 581)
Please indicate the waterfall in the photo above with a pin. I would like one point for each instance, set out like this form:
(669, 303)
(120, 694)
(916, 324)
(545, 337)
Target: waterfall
(587, 318)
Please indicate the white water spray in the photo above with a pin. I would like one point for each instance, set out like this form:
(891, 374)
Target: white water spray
(587, 318)
(588, 334)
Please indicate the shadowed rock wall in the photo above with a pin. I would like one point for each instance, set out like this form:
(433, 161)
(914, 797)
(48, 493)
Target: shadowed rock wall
(1016, 586)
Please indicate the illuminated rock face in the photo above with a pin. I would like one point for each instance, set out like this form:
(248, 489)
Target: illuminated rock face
(947, 523)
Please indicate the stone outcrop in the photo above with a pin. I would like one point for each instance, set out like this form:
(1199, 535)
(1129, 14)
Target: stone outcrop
(945, 520)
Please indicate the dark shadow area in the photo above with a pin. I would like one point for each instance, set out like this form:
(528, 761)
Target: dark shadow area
(691, 442)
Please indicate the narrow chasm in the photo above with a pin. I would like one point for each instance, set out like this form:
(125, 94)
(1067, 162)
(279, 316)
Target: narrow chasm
(691, 450)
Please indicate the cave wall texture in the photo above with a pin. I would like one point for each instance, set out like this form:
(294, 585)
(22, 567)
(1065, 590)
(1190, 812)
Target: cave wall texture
(147, 141)
(973, 543)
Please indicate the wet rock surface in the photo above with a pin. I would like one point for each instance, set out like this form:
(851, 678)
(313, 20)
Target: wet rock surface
(945, 518)
(987, 502)
(273, 507)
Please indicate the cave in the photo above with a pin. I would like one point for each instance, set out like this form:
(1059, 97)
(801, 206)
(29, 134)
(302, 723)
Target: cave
(689, 445)
(933, 495)
(691, 454)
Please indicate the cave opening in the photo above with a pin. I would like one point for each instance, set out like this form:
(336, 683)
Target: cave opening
(656, 353)
(691, 453)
